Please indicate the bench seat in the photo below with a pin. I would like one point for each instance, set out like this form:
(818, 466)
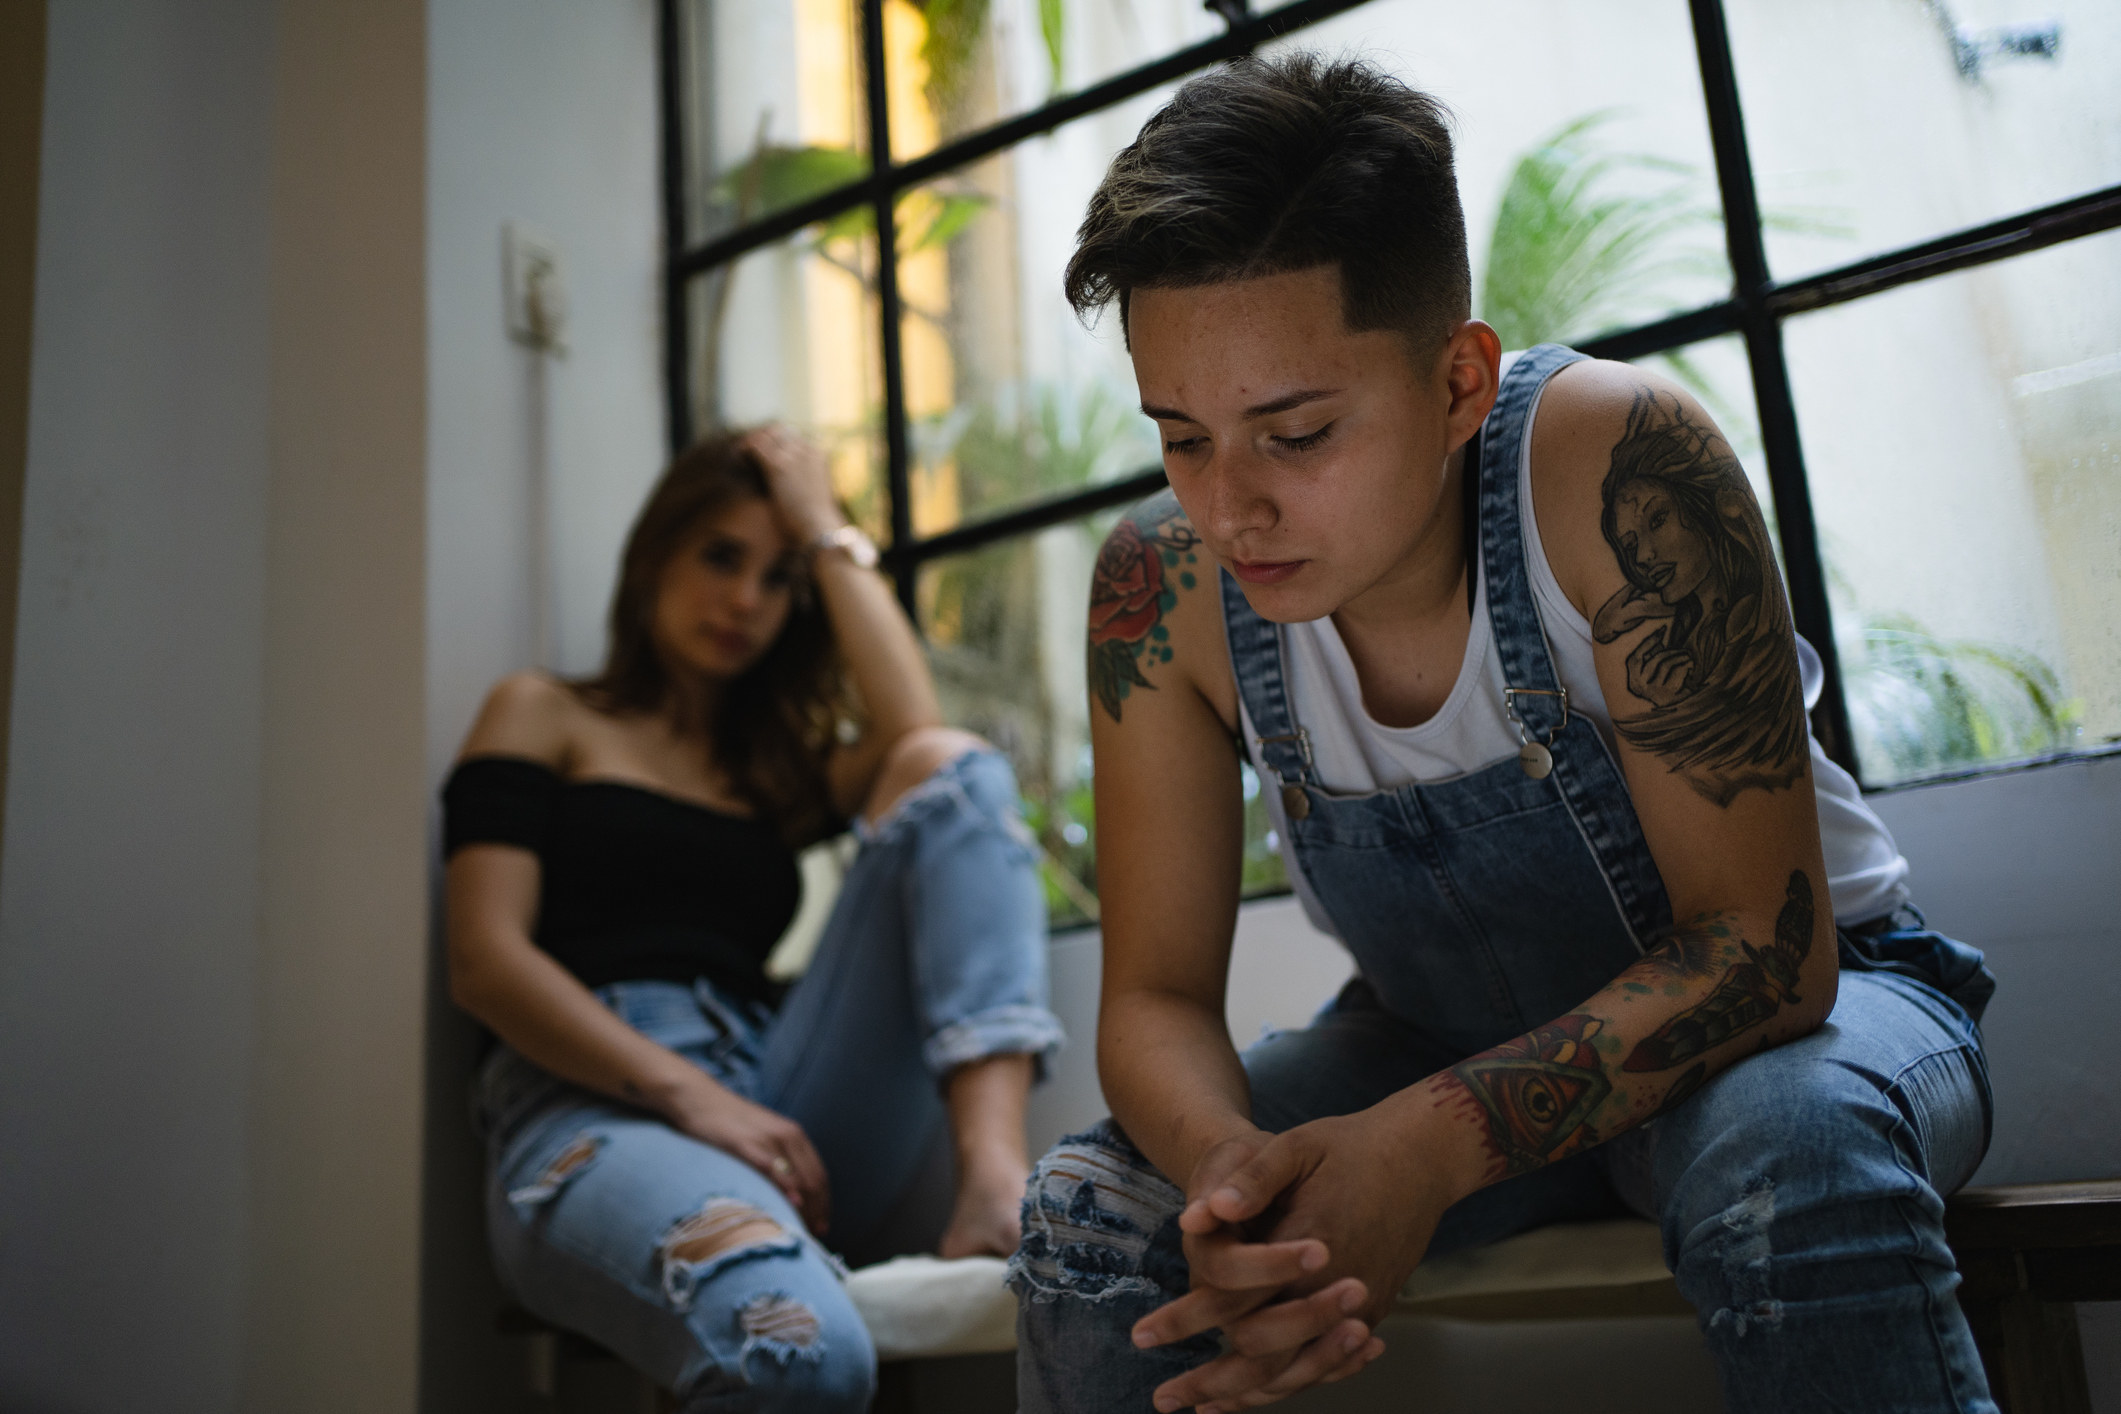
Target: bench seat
(922, 1307)
(2027, 1254)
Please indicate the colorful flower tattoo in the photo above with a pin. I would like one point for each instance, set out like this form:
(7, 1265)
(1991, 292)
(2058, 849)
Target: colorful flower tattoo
(1146, 560)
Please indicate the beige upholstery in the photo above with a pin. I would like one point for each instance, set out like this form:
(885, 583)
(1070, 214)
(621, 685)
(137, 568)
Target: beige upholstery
(918, 1307)
(1613, 1268)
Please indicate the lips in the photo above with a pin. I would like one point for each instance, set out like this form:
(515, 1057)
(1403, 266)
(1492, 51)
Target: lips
(1266, 571)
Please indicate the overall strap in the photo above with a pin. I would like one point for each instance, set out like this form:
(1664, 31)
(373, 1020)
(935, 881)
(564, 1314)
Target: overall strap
(1588, 777)
(1262, 681)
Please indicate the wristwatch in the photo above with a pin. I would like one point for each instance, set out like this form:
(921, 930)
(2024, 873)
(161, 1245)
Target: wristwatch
(850, 541)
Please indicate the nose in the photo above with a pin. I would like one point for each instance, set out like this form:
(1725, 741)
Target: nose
(1234, 498)
(747, 593)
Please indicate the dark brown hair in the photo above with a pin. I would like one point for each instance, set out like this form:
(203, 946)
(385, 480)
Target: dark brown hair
(774, 724)
(1265, 166)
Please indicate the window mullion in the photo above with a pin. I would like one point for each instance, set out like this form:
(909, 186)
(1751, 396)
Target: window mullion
(883, 192)
(677, 322)
(1803, 564)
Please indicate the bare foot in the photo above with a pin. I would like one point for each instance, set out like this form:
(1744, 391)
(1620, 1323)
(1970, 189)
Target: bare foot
(985, 1220)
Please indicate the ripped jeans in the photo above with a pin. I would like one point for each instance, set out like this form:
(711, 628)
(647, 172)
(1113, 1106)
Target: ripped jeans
(598, 1213)
(1799, 1193)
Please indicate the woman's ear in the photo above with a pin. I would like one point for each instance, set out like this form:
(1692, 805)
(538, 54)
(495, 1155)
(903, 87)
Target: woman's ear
(1472, 371)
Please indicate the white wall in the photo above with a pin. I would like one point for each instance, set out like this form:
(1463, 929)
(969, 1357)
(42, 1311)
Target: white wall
(209, 951)
(542, 113)
(130, 888)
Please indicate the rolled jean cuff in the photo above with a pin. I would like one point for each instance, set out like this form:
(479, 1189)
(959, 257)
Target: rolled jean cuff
(1003, 1031)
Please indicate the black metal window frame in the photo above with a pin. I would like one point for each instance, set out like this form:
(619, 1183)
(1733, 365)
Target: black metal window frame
(1754, 310)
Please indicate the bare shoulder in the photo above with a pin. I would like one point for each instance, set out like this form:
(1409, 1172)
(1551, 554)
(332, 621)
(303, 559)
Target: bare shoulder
(527, 714)
(1156, 613)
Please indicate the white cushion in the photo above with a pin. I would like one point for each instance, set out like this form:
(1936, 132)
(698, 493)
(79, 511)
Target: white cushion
(924, 1306)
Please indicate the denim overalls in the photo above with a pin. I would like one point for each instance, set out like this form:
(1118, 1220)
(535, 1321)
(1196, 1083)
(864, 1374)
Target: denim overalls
(1799, 1191)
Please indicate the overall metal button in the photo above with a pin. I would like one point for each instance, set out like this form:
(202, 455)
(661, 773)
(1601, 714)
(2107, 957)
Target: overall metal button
(1538, 762)
(1295, 801)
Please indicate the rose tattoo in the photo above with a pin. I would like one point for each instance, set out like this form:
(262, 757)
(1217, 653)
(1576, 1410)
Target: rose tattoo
(1130, 591)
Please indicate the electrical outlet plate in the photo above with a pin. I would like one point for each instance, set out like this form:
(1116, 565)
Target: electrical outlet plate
(536, 290)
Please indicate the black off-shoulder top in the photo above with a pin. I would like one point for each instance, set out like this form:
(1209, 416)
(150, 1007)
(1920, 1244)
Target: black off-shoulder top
(635, 884)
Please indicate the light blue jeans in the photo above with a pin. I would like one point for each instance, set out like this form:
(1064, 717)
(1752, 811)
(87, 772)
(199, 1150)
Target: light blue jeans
(935, 955)
(1799, 1193)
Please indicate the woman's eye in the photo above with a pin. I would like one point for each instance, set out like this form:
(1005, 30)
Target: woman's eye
(1306, 442)
(1182, 446)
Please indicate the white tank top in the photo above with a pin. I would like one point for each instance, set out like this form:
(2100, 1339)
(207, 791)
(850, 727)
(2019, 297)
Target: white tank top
(1353, 753)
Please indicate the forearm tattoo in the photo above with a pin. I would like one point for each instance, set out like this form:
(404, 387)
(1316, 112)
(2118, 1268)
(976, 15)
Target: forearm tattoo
(1564, 1086)
(1537, 1093)
(1146, 560)
(1748, 993)
(1715, 661)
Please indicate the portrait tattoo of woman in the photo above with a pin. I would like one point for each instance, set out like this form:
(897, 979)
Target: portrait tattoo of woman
(1716, 661)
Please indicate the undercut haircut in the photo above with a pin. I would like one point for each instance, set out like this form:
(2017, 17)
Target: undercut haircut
(1266, 166)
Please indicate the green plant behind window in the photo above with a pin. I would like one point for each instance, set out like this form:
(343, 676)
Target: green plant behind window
(951, 49)
(1925, 704)
(1585, 240)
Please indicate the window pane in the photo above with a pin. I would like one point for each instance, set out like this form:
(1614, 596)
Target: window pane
(789, 332)
(778, 112)
(957, 66)
(1876, 124)
(1008, 396)
(1583, 153)
(1963, 440)
(1005, 633)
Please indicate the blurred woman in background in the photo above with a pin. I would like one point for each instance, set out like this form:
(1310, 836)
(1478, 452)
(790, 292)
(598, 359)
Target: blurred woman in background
(670, 1137)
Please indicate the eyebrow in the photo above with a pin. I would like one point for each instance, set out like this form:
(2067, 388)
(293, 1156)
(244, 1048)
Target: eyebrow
(1266, 409)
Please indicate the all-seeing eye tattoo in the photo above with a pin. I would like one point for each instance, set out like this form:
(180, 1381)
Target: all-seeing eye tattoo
(1146, 560)
(1715, 660)
(1536, 1094)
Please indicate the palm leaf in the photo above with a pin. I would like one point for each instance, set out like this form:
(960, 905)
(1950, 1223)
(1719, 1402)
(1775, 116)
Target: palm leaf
(1573, 252)
(1053, 29)
(776, 177)
(1926, 703)
(954, 30)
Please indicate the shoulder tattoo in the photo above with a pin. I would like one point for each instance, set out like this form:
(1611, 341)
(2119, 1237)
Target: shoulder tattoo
(1713, 662)
(1149, 556)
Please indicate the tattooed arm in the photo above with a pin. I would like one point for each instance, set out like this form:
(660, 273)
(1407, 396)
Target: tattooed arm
(1170, 826)
(1651, 528)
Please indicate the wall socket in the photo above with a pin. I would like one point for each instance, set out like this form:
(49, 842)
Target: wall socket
(536, 289)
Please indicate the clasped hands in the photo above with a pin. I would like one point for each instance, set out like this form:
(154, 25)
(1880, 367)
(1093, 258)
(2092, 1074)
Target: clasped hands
(1297, 1244)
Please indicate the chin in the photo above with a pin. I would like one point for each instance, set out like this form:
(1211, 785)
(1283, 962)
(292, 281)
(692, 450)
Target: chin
(1293, 601)
(709, 666)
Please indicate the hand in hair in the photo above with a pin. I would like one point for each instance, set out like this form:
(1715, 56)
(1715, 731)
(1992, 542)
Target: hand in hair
(798, 478)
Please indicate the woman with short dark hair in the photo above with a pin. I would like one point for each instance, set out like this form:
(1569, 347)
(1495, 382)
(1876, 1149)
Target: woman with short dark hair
(670, 1137)
(1503, 640)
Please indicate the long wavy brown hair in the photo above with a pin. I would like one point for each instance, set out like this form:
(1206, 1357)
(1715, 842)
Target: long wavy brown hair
(775, 724)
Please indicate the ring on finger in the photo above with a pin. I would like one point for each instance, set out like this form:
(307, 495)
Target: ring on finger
(781, 1167)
